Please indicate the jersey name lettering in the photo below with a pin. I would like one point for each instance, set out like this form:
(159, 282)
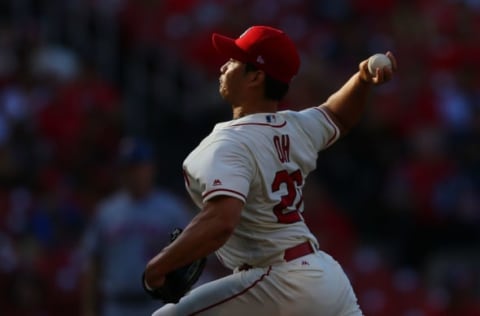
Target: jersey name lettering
(282, 145)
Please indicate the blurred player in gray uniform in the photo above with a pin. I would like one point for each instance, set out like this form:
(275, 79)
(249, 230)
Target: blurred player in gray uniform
(247, 178)
(125, 233)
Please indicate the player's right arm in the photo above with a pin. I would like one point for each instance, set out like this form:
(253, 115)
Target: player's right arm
(347, 105)
(207, 232)
(222, 170)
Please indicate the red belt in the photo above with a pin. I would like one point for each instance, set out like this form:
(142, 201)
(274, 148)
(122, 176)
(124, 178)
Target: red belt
(290, 254)
(298, 251)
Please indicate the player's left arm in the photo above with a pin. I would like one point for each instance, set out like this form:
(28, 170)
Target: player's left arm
(207, 232)
(347, 105)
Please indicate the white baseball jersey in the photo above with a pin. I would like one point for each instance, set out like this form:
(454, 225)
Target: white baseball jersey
(262, 159)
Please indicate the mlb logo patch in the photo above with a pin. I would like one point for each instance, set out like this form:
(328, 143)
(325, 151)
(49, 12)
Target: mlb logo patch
(271, 119)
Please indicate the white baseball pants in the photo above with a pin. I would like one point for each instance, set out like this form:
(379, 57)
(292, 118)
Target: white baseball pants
(311, 285)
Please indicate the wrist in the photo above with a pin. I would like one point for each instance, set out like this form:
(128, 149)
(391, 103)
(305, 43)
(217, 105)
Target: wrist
(362, 79)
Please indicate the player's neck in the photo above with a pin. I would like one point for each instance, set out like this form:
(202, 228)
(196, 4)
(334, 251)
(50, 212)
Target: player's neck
(258, 107)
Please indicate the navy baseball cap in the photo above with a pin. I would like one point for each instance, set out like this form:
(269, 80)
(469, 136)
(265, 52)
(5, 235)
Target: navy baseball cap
(134, 150)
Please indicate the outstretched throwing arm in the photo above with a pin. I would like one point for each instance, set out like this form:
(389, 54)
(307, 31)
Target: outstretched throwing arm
(347, 105)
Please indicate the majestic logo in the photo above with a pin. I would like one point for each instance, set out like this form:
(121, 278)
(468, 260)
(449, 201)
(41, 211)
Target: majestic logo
(260, 59)
(217, 182)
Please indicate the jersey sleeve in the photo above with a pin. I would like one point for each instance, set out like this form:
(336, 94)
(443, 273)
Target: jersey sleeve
(225, 168)
(319, 127)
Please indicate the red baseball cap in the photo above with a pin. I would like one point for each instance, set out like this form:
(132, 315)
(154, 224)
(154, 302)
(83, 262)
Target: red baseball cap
(268, 48)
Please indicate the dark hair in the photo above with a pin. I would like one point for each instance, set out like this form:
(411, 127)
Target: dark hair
(274, 89)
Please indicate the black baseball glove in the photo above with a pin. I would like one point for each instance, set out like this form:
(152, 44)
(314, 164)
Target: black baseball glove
(178, 282)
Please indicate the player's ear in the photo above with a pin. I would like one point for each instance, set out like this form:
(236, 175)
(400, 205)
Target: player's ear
(257, 77)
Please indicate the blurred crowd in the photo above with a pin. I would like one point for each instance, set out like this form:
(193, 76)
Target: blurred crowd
(397, 201)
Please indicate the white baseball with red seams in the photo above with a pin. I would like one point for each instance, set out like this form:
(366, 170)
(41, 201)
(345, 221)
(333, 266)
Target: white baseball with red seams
(378, 61)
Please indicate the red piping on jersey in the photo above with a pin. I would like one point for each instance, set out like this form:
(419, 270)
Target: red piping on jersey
(234, 296)
(204, 196)
(262, 124)
(329, 121)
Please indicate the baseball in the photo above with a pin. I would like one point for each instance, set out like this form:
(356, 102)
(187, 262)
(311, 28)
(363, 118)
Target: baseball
(378, 61)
